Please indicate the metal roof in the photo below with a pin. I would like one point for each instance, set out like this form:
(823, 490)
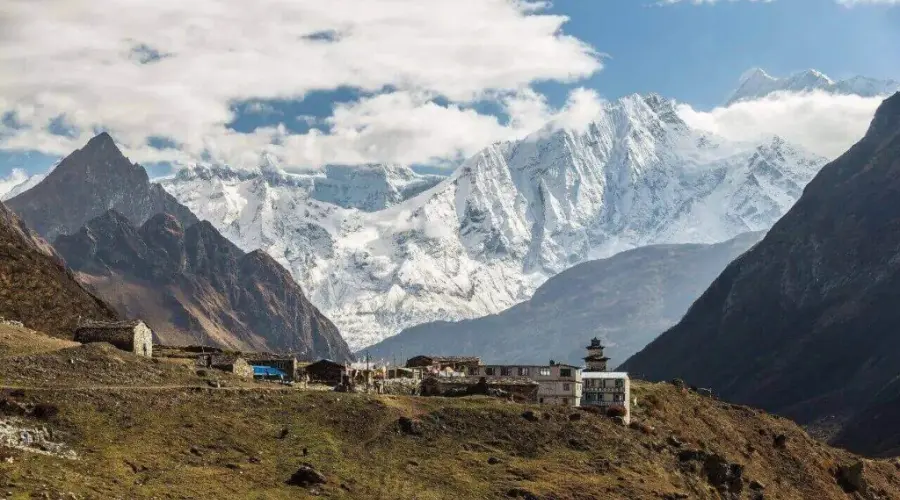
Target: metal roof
(585, 374)
(267, 371)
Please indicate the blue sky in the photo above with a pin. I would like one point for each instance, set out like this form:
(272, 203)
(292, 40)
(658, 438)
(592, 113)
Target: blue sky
(696, 53)
(692, 53)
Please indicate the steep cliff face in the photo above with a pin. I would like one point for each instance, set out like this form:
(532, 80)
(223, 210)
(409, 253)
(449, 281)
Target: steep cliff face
(89, 182)
(805, 324)
(193, 285)
(35, 286)
(515, 214)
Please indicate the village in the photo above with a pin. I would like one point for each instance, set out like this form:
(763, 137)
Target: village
(422, 375)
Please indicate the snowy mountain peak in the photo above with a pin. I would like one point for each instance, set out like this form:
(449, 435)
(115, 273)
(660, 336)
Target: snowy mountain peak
(756, 84)
(755, 75)
(380, 248)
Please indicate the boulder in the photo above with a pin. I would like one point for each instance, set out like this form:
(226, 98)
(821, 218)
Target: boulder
(850, 477)
(307, 476)
(780, 441)
(521, 493)
(409, 426)
(674, 442)
(722, 475)
(530, 416)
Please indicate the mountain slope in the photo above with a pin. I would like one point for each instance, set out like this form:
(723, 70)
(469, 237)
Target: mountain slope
(35, 286)
(756, 84)
(805, 324)
(626, 299)
(17, 182)
(194, 286)
(86, 184)
(515, 214)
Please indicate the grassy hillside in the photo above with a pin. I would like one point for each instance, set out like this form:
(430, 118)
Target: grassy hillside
(171, 435)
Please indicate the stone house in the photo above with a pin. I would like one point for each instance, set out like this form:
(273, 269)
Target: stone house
(520, 388)
(226, 363)
(443, 364)
(130, 336)
(326, 371)
(558, 384)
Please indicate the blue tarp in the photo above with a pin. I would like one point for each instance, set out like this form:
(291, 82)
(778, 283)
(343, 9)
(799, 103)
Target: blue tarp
(267, 371)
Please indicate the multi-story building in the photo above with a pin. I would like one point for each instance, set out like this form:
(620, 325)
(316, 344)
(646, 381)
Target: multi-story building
(602, 388)
(557, 383)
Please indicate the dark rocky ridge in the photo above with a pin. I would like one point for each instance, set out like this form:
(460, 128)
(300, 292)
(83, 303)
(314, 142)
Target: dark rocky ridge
(806, 324)
(87, 183)
(194, 286)
(627, 299)
(35, 286)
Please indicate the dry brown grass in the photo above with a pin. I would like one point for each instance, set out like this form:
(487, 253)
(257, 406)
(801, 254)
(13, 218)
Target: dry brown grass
(245, 442)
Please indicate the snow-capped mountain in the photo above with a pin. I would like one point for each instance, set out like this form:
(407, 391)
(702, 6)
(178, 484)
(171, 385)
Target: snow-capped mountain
(365, 187)
(516, 213)
(756, 83)
(18, 181)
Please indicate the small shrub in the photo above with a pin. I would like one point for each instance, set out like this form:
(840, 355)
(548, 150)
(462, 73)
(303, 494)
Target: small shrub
(45, 411)
(616, 411)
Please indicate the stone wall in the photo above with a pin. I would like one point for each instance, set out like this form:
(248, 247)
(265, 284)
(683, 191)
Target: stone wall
(399, 386)
(143, 340)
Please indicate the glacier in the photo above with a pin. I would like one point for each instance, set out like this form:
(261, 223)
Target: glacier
(382, 248)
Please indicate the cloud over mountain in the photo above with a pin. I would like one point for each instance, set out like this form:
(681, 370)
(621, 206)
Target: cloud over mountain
(826, 124)
(174, 71)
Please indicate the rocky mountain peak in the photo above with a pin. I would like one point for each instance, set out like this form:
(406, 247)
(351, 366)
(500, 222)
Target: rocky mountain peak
(88, 183)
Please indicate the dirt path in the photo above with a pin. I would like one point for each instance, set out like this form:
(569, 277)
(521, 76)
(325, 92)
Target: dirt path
(140, 388)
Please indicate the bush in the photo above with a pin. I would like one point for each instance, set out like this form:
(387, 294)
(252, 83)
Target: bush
(45, 411)
(616, 411)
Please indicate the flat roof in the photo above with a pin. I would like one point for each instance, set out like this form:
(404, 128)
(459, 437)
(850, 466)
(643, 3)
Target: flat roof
(585, 374)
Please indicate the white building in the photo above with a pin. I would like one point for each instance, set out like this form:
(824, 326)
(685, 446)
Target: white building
(558, 384)
(607, 389)
(602, 388)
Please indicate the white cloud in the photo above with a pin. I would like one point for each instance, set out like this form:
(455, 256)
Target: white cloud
(823, 123)
(169, 68)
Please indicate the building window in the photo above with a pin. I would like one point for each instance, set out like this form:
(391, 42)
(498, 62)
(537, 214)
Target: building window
(542, 400)
(523, 371)
(545, 372)
(565, 401)
(620, 382)
(473, 370)
(505, 371)
(567, 387)
(489, 370)
(565, 372)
